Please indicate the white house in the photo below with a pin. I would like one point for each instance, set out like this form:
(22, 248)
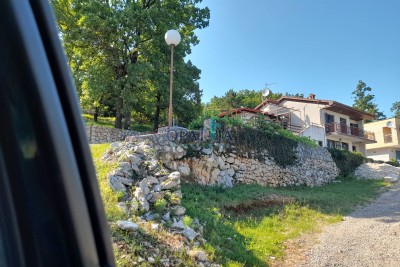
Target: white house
(328, 122)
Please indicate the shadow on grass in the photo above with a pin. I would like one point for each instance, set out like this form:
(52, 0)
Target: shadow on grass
(224, 242)
(253, 245)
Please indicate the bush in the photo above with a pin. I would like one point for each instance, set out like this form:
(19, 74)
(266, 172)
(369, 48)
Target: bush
(346, 161)
(160, 205)
(393, 162)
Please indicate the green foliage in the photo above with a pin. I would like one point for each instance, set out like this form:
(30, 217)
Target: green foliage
(364, 101)
(393, 162)
(187, 220)
(250, 237)
(396, 109)
(119, 58)
(346, 161)
(109, 197)
(261, 135)
(160, 205)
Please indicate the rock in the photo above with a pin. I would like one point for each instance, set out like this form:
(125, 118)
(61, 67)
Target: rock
(116, 184)
(155, 226)
(198, 255)
(144, 187)
(206, 151)
(173, 180)
(151, 260)
(152, 164)
(230, 172)
(178, 210)
(184, 169)
(178, 225)
(143, 204)
(230, 160)
(156, 196)
(123, 207)
(176, 197)
(126, 181)
(166, 217)
(127, 225)
(151, 180)
(189, 233)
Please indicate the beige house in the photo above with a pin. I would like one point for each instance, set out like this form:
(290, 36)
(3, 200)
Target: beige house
(328, 122)
(387, 134)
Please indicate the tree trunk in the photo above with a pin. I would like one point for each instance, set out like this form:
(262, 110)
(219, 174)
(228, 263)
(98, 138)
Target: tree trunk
(118, 116)
(96, 114)
(157, 113)
(127, 123)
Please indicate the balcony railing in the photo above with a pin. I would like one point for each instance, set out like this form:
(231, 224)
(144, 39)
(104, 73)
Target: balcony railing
(387, 138)
(348, 130)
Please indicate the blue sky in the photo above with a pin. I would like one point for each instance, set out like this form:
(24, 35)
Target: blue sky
(304, 46)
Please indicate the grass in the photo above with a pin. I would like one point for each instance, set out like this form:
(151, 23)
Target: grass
(130, 247)
(110, 198)
(248, 237)
(251, 237)
(109, 123)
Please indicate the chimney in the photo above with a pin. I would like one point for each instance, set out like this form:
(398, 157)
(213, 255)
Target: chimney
(312, 96)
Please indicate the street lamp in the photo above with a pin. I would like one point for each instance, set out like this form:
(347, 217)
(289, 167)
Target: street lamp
(173, 38)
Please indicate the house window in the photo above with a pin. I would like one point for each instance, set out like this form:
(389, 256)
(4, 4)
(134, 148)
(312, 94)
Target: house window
(387, 134)
(354, 149)
(333, 144)
(343, 125)
(354, 129)
(345, 146)
(320, 143)
(329, 118)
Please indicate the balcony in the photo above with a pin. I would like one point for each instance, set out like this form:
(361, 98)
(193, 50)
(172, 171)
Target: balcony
(344, 129)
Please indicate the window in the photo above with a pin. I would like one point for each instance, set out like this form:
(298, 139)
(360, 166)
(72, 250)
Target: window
(354, 148)
(345, 146)
(387, 134)
(320, 143)
(329, 118)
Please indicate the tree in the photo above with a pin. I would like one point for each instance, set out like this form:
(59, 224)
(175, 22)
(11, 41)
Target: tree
(122, 41)
(363, 101)
(396, 109)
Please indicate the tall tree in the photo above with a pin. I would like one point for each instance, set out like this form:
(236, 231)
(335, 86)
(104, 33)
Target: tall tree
(119, 40)
(364, 101)
(396, 109)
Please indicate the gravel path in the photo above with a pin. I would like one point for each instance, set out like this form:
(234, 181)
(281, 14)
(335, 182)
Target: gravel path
(368, 237)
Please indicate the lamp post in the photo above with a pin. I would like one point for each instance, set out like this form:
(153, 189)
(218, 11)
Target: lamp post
(173, 38)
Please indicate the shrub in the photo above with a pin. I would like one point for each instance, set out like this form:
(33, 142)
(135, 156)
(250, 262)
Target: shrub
(160, 205)
(393, 162)
(346, 161)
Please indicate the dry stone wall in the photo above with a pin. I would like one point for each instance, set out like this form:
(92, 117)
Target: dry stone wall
(220, 164)
(100, 135)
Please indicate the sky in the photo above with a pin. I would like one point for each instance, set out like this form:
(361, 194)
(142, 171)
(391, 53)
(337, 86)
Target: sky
(303, 46)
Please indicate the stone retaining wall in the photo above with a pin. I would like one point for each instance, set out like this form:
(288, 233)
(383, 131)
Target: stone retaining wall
(100, 135)
(219, 164)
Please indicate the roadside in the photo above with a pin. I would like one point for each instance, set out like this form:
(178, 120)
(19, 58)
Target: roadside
(367, 237)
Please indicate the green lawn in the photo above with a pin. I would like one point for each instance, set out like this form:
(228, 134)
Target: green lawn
(109, 122)
(250, 236)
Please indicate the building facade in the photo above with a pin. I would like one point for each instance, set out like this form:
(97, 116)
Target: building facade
(329, 123)
(387, 134)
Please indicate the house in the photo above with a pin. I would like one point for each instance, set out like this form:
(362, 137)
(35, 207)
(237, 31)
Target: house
(387, 134)
(245, 114)
(329, 123)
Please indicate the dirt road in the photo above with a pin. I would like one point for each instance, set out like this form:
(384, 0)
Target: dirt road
(368, 237)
